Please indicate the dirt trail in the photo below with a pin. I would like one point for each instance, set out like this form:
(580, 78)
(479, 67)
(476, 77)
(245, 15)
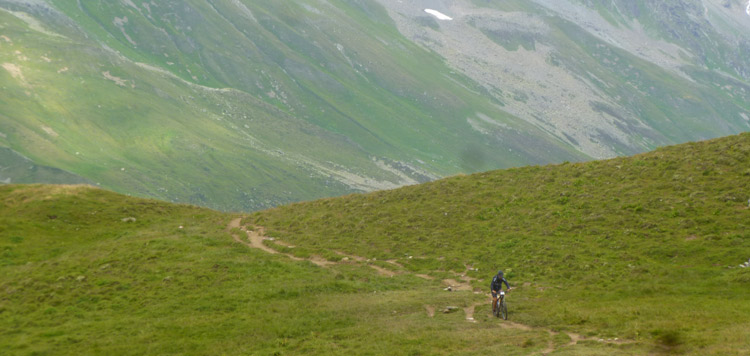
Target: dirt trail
(430, 310)
(256, 237)
(456, 285)
(383, 271)
(469, 311)
(550, 344)
(256, 240)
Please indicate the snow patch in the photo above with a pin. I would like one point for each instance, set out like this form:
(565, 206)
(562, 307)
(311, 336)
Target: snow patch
(439, 15)
(747, 10)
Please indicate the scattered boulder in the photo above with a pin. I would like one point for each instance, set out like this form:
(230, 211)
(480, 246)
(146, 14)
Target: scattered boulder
(81, 278)
(449, 288)
(129, 219)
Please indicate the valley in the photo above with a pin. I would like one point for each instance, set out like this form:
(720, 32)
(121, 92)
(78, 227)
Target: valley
(242, 106)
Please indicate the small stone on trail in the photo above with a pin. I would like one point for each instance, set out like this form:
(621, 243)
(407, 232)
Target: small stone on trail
(450, 289)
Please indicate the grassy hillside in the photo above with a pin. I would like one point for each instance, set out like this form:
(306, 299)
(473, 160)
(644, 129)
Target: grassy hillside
(629, 256)
(241, 106)
(643, 248)
(15, 168)
(86, 271)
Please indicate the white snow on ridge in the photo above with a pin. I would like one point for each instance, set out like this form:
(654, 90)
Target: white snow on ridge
(442, 16)
(747, 10)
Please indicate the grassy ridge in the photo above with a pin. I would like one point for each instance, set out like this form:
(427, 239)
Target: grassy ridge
(636, 248)
(86, 271)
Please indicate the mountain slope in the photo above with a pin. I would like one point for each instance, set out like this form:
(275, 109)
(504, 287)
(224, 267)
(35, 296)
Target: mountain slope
(608, 77)
(616, 257)
(240, 105)
(636, 248)
(285, 111)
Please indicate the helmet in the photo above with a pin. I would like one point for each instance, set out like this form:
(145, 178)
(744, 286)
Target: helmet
(500, 273)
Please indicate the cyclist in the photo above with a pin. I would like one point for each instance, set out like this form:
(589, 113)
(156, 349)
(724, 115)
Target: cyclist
(496, 286)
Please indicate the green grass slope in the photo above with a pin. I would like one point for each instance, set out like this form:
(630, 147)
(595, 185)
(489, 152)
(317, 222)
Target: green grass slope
(644, 248)
(241, 106)
(15, 168)
(87, 271)
(629, 256)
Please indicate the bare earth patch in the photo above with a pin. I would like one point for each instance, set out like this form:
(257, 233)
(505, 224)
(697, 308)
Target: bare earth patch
(430, 310)
(119, 81)
(50, 131)
(469, 311)
(15, 71)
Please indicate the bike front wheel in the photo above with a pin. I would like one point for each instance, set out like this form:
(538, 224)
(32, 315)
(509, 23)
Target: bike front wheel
(504, 310)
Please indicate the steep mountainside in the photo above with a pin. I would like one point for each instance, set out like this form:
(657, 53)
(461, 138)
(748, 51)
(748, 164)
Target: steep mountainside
(607, 77)
(241, 105)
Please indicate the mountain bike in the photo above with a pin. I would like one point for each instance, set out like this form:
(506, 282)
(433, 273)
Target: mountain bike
(501, 308)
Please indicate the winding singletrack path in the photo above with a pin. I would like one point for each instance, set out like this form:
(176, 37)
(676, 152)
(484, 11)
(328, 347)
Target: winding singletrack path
(255, 238)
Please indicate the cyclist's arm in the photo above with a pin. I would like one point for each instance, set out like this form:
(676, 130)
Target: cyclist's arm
(506, 284)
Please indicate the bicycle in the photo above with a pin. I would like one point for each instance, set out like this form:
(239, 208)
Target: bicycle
(501, 308)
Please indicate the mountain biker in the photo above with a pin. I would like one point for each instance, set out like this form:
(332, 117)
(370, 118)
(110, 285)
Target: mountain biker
(496, 286)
